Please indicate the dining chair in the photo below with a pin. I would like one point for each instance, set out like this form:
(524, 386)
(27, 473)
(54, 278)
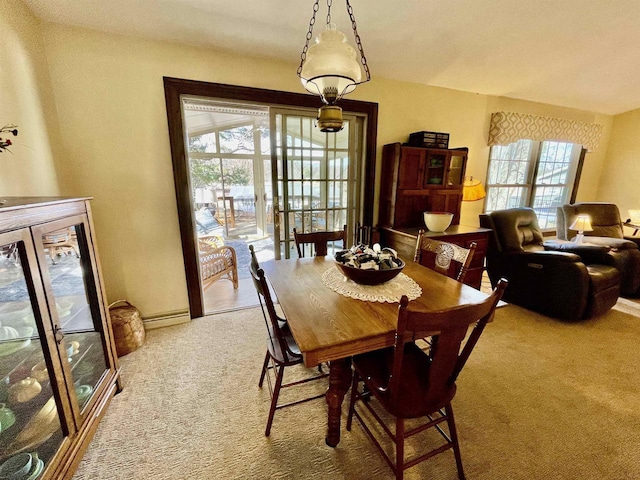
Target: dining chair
(282, 350)
(282, 322)
(447, 258)
(410, 384)
(254, 266)
(319, 241)
(365, 235)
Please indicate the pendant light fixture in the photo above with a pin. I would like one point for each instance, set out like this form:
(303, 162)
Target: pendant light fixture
(330, 68)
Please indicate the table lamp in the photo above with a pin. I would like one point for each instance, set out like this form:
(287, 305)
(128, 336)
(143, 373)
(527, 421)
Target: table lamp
(582, 224)
(472, 190)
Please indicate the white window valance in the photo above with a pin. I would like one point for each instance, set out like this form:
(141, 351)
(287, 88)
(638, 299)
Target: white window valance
(509, 127)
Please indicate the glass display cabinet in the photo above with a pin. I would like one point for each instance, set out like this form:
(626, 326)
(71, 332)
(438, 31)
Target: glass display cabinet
(58, 363)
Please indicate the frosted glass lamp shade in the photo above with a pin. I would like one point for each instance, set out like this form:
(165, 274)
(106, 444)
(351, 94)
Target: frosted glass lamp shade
(331, 68)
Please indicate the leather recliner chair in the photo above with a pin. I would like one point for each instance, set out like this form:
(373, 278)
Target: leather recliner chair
(554, 283)
(607, 231)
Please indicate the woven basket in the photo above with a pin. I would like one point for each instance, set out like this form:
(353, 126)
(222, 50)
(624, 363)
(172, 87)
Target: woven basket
(128, 329)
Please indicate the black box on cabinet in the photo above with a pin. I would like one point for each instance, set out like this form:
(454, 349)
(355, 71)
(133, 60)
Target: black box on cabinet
(429, 139)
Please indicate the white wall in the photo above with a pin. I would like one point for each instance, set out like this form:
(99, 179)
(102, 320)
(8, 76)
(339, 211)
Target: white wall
(113, 141)
(619, 183)
(26, 100)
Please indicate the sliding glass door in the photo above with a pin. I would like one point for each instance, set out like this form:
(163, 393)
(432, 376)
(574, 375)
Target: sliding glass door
(314, 175)
(228, 149)
(202, 109)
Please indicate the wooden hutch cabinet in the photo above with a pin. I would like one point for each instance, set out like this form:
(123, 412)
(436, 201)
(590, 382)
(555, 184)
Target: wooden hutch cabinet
(58, 362)
(416, 180)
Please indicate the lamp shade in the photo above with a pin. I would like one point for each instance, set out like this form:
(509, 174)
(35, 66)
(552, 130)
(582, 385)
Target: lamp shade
(582, 223)
(472, 190)
(331, 68)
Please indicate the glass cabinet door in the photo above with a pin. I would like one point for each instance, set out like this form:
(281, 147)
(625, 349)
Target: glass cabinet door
(435, 168)
(456, 169)
(72, 294)
(30, 425)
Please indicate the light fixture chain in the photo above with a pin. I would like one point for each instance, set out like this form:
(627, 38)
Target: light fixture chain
(312, 22)
(329, 3)
(363, 59)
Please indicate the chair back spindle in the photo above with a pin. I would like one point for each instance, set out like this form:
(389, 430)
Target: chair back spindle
(364, 234)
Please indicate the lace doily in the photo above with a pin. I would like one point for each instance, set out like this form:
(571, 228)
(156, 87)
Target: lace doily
(389, 292)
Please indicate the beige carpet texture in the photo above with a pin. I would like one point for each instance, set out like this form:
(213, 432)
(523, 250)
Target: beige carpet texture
(538, 399)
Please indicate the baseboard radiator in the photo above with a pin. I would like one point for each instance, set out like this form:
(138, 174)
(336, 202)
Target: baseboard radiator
(166, 319)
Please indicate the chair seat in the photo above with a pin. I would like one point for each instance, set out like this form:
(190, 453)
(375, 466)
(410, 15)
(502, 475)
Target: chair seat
(292, 356)
(413, 393)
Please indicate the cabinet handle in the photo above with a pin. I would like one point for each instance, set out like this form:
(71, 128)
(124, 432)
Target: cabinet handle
(57, 333)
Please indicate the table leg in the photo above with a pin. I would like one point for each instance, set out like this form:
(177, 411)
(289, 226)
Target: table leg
(339, 382)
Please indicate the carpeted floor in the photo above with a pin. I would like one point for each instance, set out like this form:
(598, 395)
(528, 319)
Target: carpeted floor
(538, 399)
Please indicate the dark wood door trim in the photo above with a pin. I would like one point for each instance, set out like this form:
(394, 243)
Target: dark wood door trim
(174, 88)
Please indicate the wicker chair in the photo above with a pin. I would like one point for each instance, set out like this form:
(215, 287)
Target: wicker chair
(216, 263)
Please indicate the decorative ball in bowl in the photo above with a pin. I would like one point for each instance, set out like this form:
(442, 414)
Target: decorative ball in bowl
(369, 266)
(437, 221)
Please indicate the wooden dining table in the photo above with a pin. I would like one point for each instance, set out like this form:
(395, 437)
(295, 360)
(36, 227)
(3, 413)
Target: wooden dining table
(330, 327)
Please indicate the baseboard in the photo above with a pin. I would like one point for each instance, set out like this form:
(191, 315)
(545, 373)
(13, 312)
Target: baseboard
(166, 319)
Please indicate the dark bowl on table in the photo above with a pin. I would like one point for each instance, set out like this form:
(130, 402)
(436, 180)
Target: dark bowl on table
(369, 277)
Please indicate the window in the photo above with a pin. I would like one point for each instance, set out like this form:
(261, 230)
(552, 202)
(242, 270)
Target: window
(533, 174)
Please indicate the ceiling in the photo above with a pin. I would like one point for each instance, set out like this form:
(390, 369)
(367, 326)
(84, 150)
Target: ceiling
(582, 54)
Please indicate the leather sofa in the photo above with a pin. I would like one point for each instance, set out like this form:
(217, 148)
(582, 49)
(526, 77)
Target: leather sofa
(556, 283)
(607, 231)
